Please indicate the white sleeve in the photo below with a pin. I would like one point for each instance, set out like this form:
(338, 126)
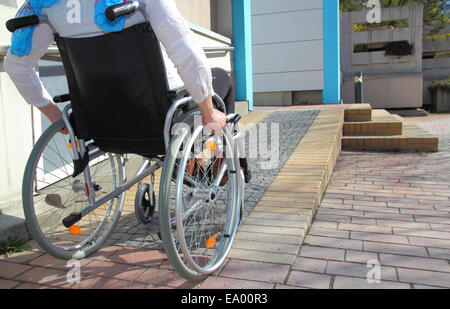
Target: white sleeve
(22, 70)
(182, 48)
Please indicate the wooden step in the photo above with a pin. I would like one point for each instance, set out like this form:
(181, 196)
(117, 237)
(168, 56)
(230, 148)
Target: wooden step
(358, 112)
(382, 123)
(413, 138)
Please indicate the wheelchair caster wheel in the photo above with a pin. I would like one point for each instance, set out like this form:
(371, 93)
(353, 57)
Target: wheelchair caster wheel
(144, 204)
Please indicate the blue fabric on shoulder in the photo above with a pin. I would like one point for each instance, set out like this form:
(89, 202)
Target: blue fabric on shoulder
(102, 21)
(22, 39)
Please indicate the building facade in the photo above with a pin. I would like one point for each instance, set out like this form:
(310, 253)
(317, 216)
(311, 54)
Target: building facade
(295, 51)
(390, 80)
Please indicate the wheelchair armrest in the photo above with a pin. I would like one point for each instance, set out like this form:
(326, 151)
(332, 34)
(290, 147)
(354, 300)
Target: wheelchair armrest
(61, 98)
(176, 93)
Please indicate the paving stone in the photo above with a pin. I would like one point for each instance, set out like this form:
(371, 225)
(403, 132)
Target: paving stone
(10, 270)
(92, 282)
(359, 270)
(439, 253)
(112, 270)
(48, 261)
(395, 249)
(163, 277)
(360, 256)
(45, 276)
(269, 238)
(334, 242)
(272, 230)
(262, 256)
(8, 284)
(365, 228)
(256, 271)
(104, 253)
(355, 283)
(415, 262)
(228, 283)
(265, 246)
(376, 237)
(310, 265)
(32, 286)
(322, 253)
(276, 223)
(20, 257)
(309, 280)
(429, 242)
(422, 233)
(425, 287)
(424, 277)
(134, 256)
(335, 233)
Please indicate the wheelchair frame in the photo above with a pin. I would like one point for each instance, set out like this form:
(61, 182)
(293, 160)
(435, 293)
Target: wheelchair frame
(145, 169)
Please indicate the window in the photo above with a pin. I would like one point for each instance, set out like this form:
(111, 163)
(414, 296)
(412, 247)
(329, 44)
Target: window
(397, 48)
(438, 54)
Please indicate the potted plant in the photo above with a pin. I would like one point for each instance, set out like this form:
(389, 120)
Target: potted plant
(440, 96)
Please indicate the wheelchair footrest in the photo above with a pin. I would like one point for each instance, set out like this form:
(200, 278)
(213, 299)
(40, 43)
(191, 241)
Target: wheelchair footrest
(71, 219)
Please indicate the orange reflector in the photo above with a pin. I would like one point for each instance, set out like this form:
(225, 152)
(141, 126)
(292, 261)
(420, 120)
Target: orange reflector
(211, 145)
(70, 145)
(74, 229)
(211, 242)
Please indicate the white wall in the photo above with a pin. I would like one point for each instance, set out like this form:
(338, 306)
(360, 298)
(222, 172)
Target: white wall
(15, 123)
(287, 45)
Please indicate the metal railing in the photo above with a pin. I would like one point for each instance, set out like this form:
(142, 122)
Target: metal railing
(53, 52)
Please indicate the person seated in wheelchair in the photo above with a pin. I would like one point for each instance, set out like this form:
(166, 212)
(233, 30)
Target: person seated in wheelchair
(185, 61)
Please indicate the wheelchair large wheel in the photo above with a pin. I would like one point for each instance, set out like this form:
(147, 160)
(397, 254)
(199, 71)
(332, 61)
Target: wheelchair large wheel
(50, 194)
(199, 203)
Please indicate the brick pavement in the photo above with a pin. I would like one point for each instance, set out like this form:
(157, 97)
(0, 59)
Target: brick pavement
(391, 208)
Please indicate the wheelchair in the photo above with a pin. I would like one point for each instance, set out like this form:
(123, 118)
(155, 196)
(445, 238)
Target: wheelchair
(74, 185)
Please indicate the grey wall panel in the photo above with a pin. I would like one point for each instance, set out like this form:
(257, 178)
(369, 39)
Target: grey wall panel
(288, 27)
(292, 81)
(292, 56)
(287, 45)
(271, 6)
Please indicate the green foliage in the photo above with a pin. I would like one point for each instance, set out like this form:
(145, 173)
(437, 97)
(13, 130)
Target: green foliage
(402, 23)
(441, 84)
(12, 245)
(433, 10)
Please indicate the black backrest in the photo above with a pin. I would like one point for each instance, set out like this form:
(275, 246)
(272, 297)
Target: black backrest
(118, 89)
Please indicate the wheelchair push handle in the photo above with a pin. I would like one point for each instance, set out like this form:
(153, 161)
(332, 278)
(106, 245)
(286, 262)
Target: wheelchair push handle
(117, 10)
(22, 22)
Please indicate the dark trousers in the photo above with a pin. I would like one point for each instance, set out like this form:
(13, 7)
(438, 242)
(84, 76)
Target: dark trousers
(223, 87)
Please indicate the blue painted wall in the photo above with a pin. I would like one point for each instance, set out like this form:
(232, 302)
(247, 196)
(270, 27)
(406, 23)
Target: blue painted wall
(331, 46)
(242, 42)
